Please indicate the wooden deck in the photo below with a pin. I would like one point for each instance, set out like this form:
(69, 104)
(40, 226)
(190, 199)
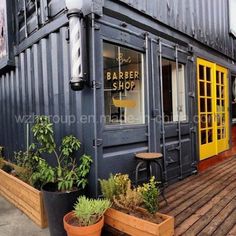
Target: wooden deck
(205, 204)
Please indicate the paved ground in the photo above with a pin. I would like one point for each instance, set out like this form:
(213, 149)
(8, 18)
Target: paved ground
(14, 223)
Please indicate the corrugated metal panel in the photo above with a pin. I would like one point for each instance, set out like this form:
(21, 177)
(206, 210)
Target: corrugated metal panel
(207, 21)
(38, 85)
(32, 15)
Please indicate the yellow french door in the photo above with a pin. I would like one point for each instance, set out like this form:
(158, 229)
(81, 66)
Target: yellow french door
(222, 109)
(212, 108)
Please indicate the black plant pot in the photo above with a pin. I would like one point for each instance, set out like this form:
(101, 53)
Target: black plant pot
(57, 204)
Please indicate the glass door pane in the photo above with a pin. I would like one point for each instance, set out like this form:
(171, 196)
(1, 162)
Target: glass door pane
(206, 105)
(222, 108)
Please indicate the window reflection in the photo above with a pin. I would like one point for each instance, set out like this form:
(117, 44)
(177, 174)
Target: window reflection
(123, 85)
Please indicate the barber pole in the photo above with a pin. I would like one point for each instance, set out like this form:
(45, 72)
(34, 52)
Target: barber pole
(76, 10)
(75, 23)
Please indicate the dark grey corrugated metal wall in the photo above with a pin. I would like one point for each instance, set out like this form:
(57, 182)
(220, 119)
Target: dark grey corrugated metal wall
(205, 20)
(38, 85)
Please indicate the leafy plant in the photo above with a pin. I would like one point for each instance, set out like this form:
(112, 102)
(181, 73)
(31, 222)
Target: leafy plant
(67, 173)
(130, 200)
(108, 187)
(43, 174)
(114, 185)
(26, 160)
(89, 211)
(123, 183)
(119, 190)
(150, 193)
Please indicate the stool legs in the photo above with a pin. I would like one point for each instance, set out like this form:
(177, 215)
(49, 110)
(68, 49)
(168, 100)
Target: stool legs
(149, 169)
(162, 181)
(161, 170)
(137, 170)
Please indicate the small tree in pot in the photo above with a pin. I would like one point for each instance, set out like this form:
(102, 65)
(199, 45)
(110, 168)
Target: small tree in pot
(62, 184)
(87, 219)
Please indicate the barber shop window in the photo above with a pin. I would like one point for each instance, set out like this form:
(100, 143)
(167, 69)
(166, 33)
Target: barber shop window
(173, 91)
(123, 85)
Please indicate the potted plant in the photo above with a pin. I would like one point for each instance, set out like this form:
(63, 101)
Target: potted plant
(134, 210)
(87, 219)
(62, 184)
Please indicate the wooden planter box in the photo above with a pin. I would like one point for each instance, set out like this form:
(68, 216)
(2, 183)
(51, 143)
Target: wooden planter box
(138, 227)
(24, 197)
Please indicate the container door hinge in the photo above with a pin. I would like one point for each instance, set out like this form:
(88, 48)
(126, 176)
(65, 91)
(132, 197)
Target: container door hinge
(47, 12)
(170, 160)
(193, 129)
(97, 85)
(97, 143)
(97, 27)
(67, 35)
(173, 148)
(155, 113)
(191, 94)
(191, 58)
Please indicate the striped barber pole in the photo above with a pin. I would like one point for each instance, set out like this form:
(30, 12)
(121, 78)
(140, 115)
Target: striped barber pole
(76, 47)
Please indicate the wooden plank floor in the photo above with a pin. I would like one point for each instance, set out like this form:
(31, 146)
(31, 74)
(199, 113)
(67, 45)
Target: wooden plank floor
(204, 204)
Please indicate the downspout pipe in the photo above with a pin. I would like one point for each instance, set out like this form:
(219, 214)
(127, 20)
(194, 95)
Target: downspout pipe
(94, 103)
(178, 110)
(148, 99)
(162, 113)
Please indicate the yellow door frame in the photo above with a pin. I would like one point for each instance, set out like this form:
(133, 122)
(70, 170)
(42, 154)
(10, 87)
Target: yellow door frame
(213, 110)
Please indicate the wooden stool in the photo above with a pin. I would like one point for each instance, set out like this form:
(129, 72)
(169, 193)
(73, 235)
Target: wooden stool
(148, 158)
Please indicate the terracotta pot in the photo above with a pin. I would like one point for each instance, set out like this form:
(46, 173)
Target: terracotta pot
(92, 230)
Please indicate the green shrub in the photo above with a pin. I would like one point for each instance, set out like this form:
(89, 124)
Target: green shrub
(26, 160)
(123, 183)
(118, 189)
(150, 194)
(114, 185)
(108, 187)
(130, 200)
(67, 173)
(90, 211)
